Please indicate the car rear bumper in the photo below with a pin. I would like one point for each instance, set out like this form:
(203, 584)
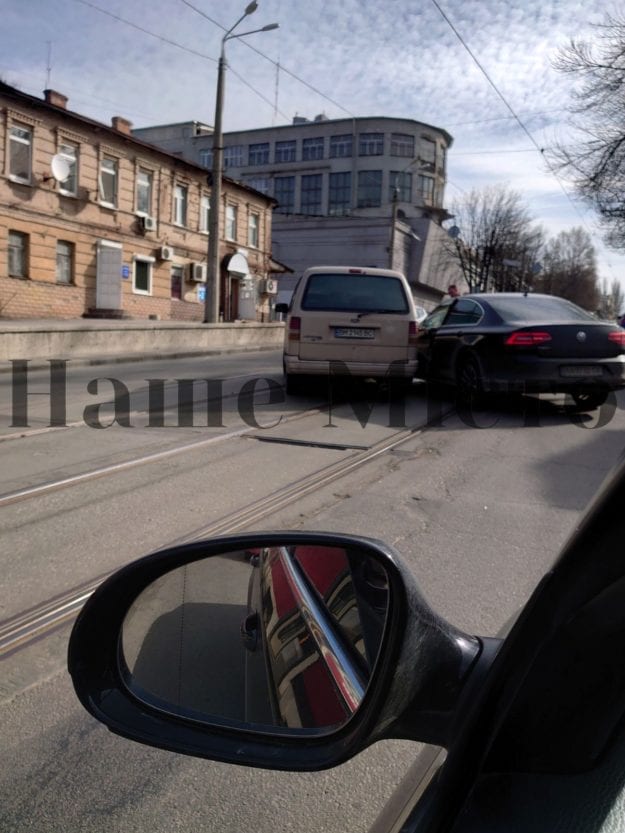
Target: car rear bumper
(531, 375)
(404, 369)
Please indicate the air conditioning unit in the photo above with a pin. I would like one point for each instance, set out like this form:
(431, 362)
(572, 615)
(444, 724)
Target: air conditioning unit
(166, 253)
(269, 286)
(197, 272)
(149, 223)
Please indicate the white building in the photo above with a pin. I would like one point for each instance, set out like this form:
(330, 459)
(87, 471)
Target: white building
(356, 191)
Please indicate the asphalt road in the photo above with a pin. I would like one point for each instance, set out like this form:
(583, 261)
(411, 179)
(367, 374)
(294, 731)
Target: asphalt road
(478, 511)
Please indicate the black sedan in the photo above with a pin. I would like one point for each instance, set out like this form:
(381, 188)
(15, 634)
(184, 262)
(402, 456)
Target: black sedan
(523, 343)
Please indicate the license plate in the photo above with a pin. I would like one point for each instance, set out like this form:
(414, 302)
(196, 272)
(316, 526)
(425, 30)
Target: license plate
(581, 370)
(354, 332)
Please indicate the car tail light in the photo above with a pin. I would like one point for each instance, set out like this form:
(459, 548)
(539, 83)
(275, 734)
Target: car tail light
(412, 332)
(295, 325)
(527, 338)
(618, 337)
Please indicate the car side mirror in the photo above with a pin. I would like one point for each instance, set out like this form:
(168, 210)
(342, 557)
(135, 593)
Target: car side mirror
(238, 647)
(284, 308)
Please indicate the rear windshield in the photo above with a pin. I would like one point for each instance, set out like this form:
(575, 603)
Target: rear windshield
(355, 293)
(533, 308)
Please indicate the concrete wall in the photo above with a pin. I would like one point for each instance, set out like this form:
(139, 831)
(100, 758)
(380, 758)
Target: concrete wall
(83, 340)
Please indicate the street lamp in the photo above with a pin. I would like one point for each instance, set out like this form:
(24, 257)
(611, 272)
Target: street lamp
(211, 309)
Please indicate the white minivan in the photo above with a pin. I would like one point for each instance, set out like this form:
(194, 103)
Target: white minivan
(349, 321)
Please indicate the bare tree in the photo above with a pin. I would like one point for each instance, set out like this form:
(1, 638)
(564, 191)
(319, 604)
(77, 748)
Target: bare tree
(596, 161)
(493, 240)
(612, 301)
(570, 269)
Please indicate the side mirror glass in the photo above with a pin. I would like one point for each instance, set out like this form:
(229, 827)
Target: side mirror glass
(282, 638)
(284, 308)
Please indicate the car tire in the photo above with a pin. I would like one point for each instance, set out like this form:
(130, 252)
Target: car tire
(589, 400)
(469, 382)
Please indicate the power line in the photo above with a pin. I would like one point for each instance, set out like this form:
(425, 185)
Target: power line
(271, 60)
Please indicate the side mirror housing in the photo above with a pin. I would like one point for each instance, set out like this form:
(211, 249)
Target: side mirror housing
(286, 650)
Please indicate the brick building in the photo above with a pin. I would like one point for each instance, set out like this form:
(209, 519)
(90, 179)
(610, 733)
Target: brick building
(94, 222)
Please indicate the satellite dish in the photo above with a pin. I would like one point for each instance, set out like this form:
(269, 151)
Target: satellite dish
(454, 232)
(60, 168)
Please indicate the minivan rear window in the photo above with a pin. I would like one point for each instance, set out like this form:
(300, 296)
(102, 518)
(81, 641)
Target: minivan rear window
(354, 293)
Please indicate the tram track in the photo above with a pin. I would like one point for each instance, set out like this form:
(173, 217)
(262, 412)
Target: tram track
(18, 631)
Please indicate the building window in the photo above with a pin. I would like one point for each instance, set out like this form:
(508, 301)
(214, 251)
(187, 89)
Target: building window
(402, 181)
(427, 154)
(231, 222)
(340, 194)
(108, 181)
(20, 152)
(233, 156)
(181, 197)
(69, 153)
(312, 149)
(142, 276)
(371, 144)
(426, 188)
(369, 189)
(402, 144)
(259, 183)
(18, 254)
(310, 194)
(253, 224)
(258, 154)
(284, 192)
(176, 282)
(205, 213)
(285, 151)
(206, 158)
(340, 146)
(144, 191)
(64, 262)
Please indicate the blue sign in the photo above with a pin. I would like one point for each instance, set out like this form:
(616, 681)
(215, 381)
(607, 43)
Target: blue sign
(125, 271)
(201, 293)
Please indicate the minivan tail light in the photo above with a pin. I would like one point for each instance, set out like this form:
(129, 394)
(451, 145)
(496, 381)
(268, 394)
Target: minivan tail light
(412, 332)
(527, 338)
(618, 337)
(295, 325)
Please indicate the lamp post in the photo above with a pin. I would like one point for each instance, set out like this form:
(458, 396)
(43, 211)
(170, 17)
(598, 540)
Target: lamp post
(211, 309)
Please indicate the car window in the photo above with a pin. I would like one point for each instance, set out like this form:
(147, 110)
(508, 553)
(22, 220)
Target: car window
(465, 312)
(537, 308)
(356, 293)
(436, 318)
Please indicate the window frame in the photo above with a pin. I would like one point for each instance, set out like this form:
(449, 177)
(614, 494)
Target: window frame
(371, 144)
(232, 217)
(23, 253)
(426, 194)
(72, 161)
(285, 151)
(70, 259)
(114, 173)
(141, 170)
(258, 153)
(17, 125)
(339, 208)
(404, 186)
(149, 263)
(313, 148)
(205, 214)
(362, 187)
(180, 204)
(403, 145)
(253, 229)
(311, 199)
(233, 156)
(341, 146)
(290, 208)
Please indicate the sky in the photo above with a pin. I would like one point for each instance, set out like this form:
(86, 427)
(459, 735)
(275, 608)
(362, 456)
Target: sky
(155, 62)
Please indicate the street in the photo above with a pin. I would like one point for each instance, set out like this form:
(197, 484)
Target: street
(476, 504)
